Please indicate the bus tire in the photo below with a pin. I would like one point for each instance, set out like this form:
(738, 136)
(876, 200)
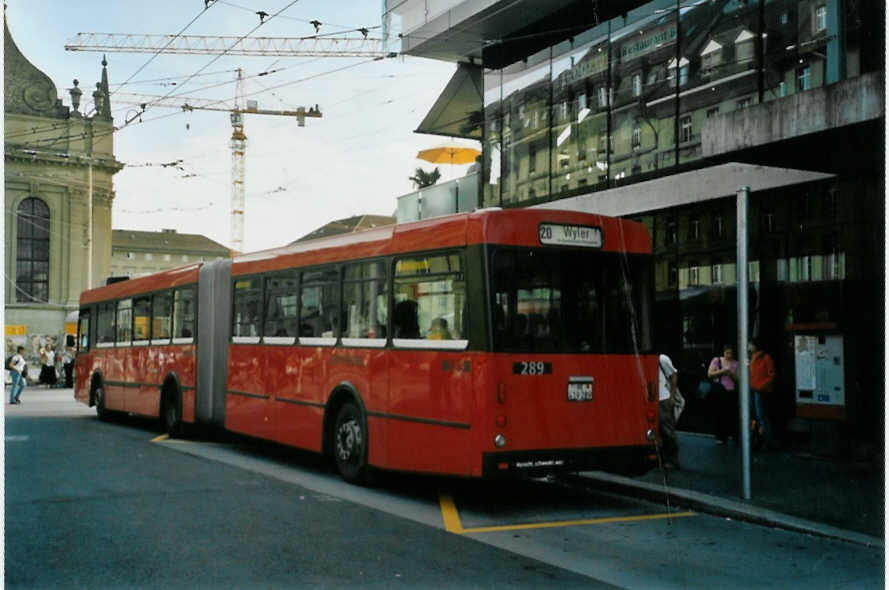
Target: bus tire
(350, 444)
(171, 412)
(99, 401)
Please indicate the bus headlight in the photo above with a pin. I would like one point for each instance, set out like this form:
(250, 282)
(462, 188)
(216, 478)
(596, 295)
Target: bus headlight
(650, 435)
(500, 441)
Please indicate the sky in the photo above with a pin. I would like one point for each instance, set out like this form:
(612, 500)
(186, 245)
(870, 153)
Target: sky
(356, 159)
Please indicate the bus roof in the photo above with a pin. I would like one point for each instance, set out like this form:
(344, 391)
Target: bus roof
(184, 275)
(517, 227)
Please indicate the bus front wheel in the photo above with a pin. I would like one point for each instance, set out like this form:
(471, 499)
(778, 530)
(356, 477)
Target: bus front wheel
(99, 402)
(350, 444)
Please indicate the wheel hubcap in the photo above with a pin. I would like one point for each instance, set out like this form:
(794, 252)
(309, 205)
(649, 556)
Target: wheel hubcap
(348, 440)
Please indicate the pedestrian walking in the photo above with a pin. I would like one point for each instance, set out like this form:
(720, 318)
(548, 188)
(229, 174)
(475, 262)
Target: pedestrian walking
(669, 399)
(723, 371)
(68, 366)
(48, 366)
(18, 371)
(762, 379)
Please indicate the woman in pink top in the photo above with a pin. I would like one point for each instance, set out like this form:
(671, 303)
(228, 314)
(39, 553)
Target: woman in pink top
(723, 372)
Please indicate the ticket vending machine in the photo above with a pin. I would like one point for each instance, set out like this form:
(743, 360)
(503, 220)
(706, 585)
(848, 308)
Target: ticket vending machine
(820, 383)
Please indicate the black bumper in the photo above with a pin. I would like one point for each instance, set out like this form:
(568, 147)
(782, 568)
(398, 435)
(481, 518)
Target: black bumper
(632, 460)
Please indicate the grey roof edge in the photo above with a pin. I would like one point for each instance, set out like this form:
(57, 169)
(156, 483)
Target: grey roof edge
(685, 188)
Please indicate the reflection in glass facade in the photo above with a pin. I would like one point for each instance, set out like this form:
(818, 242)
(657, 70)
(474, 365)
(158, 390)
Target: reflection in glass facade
(632, 96)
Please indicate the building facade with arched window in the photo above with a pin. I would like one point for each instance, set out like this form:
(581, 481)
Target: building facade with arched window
(58, 192)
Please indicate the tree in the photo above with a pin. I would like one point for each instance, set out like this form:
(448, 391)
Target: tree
(422, 179)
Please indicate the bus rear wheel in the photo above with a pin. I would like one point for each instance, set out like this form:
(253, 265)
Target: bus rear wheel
(171, 415)
(350, 444)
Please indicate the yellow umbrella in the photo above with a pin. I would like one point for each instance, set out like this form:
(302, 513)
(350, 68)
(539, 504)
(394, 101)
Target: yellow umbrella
(449, 155)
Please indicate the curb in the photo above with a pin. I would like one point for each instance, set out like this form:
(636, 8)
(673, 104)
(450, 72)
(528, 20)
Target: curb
(715, 505)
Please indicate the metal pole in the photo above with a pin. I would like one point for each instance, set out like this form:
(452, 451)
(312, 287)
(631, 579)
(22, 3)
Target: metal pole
(743, 311)
(89, 223)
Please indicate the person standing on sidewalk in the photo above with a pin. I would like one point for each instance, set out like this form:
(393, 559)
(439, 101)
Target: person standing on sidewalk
(17, 372)
(723, 371)
(762, 378)
(668, 396)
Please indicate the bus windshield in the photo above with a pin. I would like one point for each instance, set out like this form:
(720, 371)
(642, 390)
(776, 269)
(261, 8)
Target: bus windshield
(570, 301)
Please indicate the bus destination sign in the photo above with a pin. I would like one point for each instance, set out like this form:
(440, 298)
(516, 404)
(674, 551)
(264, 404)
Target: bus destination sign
(553, 234)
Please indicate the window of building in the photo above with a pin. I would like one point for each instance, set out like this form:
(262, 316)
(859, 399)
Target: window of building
(685, 130)
(604, 96)
(804, 78)
(820, 20)
(365, 302)
(652, 77)
(782, 88)
(785, 17)
(672, 273)
(148, 256)
(711, 55)
(131, 255)
(185, 258)
(712, 112)
(694, 273)
(671, 234)
(167, 257)
(744, 103)
(581, 101)
(694, 227)
(637, 84)
(768, 220)
(683, 71)
(744, 46)
(716, 273)
(32, 251)
(719, 225)
(637, 138)
(532, 159)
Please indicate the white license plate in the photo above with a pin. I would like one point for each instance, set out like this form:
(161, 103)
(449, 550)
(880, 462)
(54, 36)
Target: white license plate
(580, 391)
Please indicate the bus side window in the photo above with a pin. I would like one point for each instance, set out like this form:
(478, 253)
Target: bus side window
(183, 313)
(83, 331)
(318, 315)
(105, 324)
(247, 302)
(161, 316)
(141, 318)
(281, 306)
(124, 322)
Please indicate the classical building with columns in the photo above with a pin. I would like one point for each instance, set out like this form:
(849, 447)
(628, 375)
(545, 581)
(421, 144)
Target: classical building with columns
(59, 165)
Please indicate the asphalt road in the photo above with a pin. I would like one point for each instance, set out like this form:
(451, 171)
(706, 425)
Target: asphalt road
(113, 505)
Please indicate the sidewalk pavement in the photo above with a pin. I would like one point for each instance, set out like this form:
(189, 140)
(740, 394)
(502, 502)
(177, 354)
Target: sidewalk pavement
(831, 497)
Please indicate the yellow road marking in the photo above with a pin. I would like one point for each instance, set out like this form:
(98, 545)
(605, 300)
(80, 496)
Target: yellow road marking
(453, 524)
(161, 438)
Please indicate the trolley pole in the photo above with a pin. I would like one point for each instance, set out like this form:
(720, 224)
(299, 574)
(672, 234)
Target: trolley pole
(743, 312)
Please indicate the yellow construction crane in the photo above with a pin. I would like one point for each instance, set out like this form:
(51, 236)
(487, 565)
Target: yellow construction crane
(238, 140)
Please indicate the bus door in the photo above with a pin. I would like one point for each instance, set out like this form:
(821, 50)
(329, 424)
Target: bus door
(430, 392)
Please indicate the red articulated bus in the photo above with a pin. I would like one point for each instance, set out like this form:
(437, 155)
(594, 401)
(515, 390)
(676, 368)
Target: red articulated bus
(494, 342)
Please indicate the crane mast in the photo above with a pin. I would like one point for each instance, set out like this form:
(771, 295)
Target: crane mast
(239, 149)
